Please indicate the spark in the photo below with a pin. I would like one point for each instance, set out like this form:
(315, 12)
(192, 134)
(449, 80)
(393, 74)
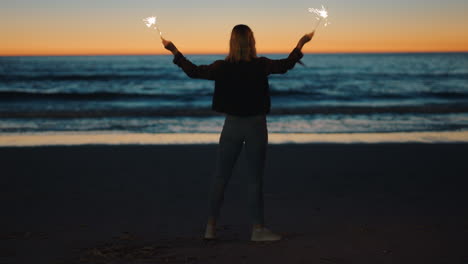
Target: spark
(321, 14)
(150, 21)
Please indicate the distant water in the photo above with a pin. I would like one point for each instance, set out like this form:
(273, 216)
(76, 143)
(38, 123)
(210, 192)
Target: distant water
(335, 93)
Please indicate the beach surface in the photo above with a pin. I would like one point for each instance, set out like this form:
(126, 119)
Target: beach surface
(117, 138)
(333, 203)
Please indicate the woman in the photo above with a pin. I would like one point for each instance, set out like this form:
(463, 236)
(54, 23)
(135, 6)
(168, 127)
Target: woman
(242, 93)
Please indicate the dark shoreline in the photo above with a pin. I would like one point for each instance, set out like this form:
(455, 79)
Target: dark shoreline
(334, 203)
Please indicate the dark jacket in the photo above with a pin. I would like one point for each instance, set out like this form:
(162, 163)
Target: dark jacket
(240, 88)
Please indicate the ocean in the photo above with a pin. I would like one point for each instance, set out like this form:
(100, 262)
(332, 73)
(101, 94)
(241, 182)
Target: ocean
(333, 93)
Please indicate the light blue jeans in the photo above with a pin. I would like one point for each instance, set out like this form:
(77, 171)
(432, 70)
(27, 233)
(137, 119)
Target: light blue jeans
(250, 132)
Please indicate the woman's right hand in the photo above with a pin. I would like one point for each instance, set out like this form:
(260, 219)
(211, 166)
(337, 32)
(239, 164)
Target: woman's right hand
(306, 38)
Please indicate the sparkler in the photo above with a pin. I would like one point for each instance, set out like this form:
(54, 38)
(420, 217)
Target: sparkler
(150, 21)
(321, 14)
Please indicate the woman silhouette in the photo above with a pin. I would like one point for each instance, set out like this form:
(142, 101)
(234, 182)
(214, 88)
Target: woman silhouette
(242, 93)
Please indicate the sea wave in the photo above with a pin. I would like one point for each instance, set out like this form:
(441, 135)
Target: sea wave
(206, 111)
(13, 95)
(171, 74)
(360, 75)
(92, 77)
(175, 95)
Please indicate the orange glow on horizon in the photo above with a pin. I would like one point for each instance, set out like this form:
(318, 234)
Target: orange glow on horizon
(90, 44)
(119, 43)
(97, 53)
(348, 33)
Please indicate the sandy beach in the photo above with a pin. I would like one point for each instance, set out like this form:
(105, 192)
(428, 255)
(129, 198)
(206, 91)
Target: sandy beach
(333, 203)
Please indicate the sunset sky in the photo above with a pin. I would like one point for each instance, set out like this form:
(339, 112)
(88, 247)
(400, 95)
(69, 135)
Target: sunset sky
(82, 27)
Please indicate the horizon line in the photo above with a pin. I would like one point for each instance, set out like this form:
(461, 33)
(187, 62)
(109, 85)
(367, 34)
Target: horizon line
(225, 53)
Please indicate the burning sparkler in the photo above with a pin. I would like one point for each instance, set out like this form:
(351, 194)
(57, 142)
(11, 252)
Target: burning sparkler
(150, 21)
(321, 14)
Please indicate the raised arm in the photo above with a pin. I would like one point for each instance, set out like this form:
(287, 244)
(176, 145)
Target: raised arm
(193, 71)
(283, 65)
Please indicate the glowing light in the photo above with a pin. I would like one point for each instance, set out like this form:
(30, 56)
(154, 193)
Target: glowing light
(150, 21)
(321, 14)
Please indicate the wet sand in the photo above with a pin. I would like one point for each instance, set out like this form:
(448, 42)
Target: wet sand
(334, 203)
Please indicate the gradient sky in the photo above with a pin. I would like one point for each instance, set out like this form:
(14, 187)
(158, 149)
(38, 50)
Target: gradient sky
(76, 27)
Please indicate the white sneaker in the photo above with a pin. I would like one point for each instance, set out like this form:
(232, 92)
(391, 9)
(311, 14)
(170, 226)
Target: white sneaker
(264, 234)
(210, 232)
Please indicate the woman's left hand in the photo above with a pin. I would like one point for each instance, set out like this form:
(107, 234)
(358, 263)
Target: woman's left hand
(169, 46)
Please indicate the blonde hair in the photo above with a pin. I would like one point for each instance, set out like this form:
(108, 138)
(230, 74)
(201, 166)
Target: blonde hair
(242, 44)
